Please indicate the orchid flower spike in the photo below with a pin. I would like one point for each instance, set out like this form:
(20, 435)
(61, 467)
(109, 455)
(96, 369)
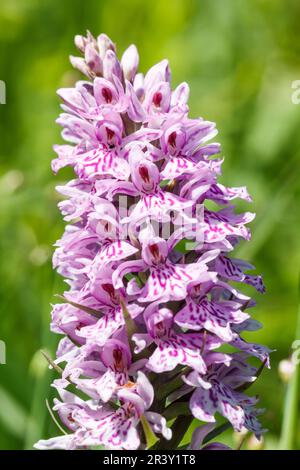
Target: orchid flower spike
(148, 264)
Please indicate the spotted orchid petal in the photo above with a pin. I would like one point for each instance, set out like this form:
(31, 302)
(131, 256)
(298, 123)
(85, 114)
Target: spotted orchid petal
(213, 316)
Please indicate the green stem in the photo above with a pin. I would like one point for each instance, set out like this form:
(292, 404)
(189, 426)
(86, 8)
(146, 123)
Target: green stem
(291, 412)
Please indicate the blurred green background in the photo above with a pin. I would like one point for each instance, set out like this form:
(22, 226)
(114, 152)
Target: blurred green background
(240, 58)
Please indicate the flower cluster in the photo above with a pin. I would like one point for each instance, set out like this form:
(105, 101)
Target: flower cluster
(150, 308)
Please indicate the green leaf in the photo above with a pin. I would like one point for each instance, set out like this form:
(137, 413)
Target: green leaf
(91, 311)
(150, 437)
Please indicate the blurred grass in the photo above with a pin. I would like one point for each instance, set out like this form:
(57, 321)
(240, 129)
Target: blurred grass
(240, 58)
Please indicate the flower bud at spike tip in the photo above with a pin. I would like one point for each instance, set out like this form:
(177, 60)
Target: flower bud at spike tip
(105, 44)
(130, 62)
(80, 42)
(81, 65)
